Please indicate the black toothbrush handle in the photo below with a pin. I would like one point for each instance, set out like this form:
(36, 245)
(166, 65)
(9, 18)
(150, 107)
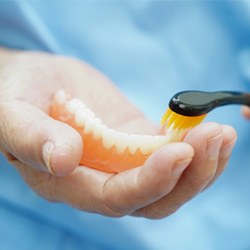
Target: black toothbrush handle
(195, 103)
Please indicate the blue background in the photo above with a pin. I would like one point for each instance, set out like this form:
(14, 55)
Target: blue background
(151, 50)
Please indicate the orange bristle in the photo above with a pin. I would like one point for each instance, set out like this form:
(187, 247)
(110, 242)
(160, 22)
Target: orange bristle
(173, 121)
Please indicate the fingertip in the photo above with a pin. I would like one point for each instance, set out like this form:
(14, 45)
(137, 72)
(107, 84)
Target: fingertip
(230, 138)
(169, 160)
(162, 170)
(245, 111)
(65, 159)
(136, 188)
(39, 141)
(173, 151)
(63, 154)
(208, 130)
(229, 133)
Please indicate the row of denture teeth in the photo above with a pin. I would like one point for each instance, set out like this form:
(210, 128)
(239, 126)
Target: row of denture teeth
(86, 119)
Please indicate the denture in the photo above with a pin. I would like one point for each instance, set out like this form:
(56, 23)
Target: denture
(106, 149)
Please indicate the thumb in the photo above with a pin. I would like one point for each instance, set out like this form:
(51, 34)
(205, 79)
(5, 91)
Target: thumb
(37, 140)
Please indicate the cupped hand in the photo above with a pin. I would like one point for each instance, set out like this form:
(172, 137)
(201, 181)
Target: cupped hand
(168, 179)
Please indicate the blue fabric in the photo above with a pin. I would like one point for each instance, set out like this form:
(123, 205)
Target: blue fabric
(151, 49)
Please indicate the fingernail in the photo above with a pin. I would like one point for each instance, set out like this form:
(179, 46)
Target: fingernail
(227, 150)
(180, 167)
(213, 146)
(47, 150)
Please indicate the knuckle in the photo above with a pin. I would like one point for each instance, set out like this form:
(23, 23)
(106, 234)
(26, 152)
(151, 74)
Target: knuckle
(44, 188)
(197, 184)
(95, 206)
(80, 204)
(109, 209)
(158, 213)
(108, 202)
(112, 212)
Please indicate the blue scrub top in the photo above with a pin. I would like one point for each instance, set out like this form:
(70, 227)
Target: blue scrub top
(151, 50)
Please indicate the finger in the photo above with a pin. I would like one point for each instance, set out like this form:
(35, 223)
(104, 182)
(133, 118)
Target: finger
(245, 110)
(229, 140)
(133, 189)
(120, 194)
(206, 140)
(37, 140)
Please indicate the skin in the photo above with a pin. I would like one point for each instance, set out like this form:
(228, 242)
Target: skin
(169, 178)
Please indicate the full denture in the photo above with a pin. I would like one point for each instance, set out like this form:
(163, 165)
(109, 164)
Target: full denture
(104, 148)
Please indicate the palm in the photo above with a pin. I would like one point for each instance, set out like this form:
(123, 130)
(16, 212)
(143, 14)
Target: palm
(51, 74)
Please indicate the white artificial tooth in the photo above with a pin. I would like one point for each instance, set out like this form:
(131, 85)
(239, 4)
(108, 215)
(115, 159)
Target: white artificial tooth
(146, 144)
(104, 128)
(98, 121)
(161, 140)
(155, 143)
(89, 126)
(80, 118)
(108, 138)
(74, 105)
(60, 97)
(175, 134)
(122, 141)
(134, 143)
(89, 113)
(98, 130)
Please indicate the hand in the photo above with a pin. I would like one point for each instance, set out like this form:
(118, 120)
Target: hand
(170, 177)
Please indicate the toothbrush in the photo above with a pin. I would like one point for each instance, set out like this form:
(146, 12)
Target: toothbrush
(188, 108)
